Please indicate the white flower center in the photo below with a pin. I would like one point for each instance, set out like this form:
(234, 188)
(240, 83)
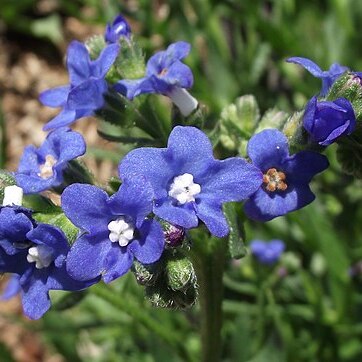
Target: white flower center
(121, 231)
(41, 255)
(46, 169)
(183, 188)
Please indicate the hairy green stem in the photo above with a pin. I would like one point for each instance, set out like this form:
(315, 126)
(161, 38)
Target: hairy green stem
(208, 258)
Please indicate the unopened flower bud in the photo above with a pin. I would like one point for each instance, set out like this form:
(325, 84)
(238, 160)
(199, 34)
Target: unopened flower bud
(174, 234)
(180, 273)
(146, 274)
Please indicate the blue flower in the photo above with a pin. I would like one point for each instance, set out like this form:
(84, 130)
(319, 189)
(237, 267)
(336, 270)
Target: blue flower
(267, 252)
(87, 85)
(118, 29)
(286, 178)
(39, 262)
(189, 183)
(15, 223)
(328, 76)
(327, 120)
(116, 229)
(42, 168)
(165, 73)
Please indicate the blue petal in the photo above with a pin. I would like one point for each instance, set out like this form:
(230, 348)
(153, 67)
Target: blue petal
(32, 183)
(189, 150)
(67, 143)
(134, 198)
(181, 215)
(180, 75)
(87, 95)
(149, 247)
(29, 161)
(16, 263)
(132, 88)
(64, 118)
(50, 236)
(268, 149)
(152, 164)
(59, 279)
(78, 63)
(101, 66)
(232, 179)
(35, 297)
(178, 50)
(210, 212)
(55, 97)
(264, 206)
(86, 258)
(13, 228)
(117, 263)
(308, 65)
(302, 166)
(86, 206)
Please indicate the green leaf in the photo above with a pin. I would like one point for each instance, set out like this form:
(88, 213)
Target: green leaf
(137, 141)
(232, 213)
(69, 300)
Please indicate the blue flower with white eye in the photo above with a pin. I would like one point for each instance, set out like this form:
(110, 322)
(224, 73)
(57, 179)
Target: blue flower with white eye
(116, 229)
(189, 183)
(328, 76)
(37, 256)
(42, 168)
(117, 30)
(267, 252)
(286, 178)
(167, 75)
(326, 121)
(85, 93)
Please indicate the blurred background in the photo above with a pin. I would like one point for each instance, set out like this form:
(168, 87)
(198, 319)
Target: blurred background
(305, 307)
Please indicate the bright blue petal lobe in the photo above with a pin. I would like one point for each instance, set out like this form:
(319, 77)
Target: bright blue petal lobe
(134, 198)
(326, 121)
(55, 97)
(87, 95)
(307, 64)
(78, 63)
(268, 149)
(149, 247)
(101, 66)
(117, 263)
(86, 207)
(64, 118)
(12, 288)
(86, 259)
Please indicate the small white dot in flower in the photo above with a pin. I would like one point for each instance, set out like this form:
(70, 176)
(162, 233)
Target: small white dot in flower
(183, 188)
(41, 255)
(121, 231)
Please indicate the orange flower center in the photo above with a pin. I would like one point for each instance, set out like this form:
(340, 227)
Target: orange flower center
(274, 180)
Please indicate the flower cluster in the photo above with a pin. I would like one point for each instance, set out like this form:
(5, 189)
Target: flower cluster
(164, 191)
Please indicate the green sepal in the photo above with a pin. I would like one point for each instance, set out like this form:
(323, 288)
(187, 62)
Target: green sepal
(6, 179)
(95, 45)
(348, 86)
(69, 300)
(234, 216)
(272, 118)
(349, 153)
(195, 119)
(238, 121)
(295, 132)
